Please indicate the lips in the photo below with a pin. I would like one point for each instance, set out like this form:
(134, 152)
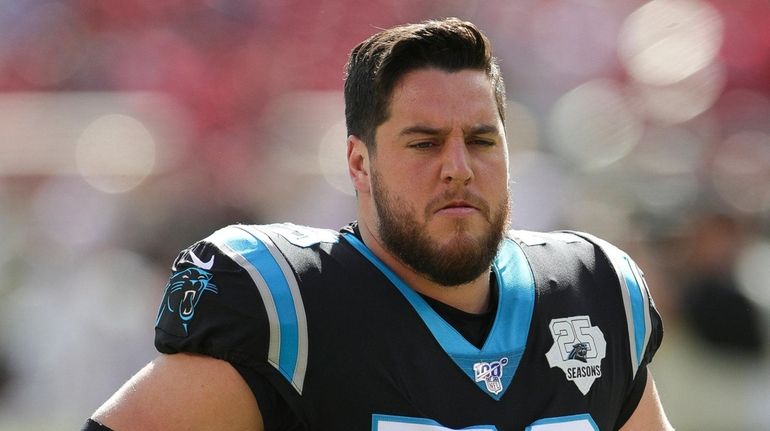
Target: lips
(458, 204)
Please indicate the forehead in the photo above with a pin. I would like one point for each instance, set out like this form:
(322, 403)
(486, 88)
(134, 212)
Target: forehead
(435, 96)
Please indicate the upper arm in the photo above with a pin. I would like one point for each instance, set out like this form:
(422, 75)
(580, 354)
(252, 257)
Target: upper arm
(645, 332)
(649, 414)
(183, 392)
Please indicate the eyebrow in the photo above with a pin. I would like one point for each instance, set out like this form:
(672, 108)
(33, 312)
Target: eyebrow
(478, 129)
(422, 130)
(484, 129)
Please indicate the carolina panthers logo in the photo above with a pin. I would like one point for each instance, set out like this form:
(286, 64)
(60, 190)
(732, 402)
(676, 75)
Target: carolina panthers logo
(183, 293)
(579, 352)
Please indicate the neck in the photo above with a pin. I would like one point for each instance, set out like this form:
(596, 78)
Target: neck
(473, 297)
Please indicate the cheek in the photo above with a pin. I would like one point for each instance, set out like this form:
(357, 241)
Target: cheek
(398, 186)
(409, 179)
(495, 174)
(495, 190)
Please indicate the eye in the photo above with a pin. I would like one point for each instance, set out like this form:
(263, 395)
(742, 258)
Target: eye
(422, 145)
(482, 142)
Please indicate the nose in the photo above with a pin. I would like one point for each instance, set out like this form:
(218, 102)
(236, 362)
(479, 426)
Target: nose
(456, 163)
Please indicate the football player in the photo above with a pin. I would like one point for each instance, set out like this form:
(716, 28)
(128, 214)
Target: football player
(427, 313)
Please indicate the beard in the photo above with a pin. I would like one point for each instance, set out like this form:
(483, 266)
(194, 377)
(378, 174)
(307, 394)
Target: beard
(462, 260)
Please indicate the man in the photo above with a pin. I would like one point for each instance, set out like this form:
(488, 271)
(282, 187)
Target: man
(426, 314)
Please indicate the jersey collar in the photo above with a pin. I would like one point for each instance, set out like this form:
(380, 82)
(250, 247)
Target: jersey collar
(492, 367)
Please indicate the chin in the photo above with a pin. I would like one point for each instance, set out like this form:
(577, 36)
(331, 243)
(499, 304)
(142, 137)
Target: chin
(458, 239)
(462, 228)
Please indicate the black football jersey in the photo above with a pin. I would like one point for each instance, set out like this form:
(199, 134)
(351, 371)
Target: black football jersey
(349, 346)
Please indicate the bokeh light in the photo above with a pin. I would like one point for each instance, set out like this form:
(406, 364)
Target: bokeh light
(593, 125)
(666, 41)
(115, 153)
(331, 158)
(40, 132)
(741, 171)
(685, 99)
(663, 169)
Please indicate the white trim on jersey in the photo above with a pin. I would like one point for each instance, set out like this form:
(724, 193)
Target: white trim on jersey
(251, 248)
(636, 299)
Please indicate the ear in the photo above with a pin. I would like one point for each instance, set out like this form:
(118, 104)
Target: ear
(358, 164)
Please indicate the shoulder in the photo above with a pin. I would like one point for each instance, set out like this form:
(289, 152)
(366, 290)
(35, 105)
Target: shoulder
(235, 295)
(253, 248)
(243, 239)
(583, 264)
(241, 263)
(568, 245)
(573, 255)
(561, 253)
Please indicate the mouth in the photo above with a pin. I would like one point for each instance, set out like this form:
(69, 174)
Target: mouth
(187, 303)
(458, 208)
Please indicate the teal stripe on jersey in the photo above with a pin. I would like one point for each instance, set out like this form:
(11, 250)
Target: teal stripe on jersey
(635, 298)
(637, 306)
(507, 338)
(394, 423)
(254, 251)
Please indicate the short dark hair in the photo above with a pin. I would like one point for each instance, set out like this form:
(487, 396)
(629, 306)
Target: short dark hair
(376, 65)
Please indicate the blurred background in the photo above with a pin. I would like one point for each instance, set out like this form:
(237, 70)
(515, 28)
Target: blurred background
(128, 130)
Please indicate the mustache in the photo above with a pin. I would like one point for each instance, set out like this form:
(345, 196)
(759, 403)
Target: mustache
(449, 196)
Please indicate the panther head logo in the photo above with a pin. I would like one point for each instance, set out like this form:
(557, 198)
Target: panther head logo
(183, 293)
(579, 352)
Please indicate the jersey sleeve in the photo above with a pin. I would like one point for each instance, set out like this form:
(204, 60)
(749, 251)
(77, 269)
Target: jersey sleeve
(210, 307)
(645, 328)
(234, 296)
(643, 322)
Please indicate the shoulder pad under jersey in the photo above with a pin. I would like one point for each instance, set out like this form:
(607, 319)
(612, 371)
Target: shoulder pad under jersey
(235, 296)
(641, 315)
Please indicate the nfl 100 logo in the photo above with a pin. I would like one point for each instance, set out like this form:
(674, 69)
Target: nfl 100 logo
(490, 373)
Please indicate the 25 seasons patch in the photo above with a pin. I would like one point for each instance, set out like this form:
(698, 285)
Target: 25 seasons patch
(578, 349)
